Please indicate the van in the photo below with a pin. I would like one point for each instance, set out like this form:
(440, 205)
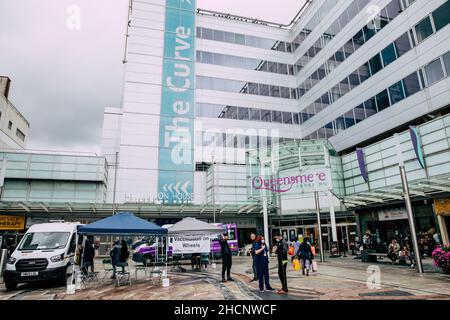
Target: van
(45, 253)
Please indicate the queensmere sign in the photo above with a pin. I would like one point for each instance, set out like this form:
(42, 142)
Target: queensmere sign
(308, 181)
(176, 138)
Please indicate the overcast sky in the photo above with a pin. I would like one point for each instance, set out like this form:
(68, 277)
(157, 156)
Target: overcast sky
(62, 79)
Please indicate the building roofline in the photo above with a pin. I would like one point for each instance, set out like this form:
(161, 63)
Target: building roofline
(255, 20)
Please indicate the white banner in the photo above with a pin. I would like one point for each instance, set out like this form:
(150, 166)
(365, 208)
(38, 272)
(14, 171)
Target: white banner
(190, 244)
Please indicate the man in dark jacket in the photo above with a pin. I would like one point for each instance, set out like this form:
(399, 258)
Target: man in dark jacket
(252, 251)
(226, 257)
(281, 249)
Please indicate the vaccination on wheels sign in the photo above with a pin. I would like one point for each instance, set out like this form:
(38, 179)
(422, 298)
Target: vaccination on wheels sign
(191, 244)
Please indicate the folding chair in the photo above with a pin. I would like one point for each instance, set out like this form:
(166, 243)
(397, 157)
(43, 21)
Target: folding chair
(141, 264)
(156, 273)
(120, 275)
(107, 266)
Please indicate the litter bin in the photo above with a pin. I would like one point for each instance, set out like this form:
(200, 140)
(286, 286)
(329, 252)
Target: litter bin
(365, 257)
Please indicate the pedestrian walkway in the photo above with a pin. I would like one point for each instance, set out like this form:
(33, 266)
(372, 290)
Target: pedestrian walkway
(336, 279)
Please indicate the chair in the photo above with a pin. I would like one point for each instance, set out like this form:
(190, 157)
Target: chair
(157, 271)
(204, 260)
(107, 266)
(141, 264)
(87, 273)
(176, 263)
(120, 275)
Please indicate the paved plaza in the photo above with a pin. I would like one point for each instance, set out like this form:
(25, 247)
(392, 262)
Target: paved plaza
(337, 279)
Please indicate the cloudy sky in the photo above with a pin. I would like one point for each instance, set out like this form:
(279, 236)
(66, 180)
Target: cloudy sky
(62, 79)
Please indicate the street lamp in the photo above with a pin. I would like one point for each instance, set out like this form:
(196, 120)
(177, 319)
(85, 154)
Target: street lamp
(412, 224)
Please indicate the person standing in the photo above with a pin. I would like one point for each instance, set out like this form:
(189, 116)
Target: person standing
(124, 254)
(262, 264)
(281, 250)
(226, 258)
(252, 251)
(305, 254)
(115, 257)
(88, 255)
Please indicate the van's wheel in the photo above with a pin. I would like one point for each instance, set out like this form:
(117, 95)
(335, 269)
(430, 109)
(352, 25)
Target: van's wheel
(11, 286)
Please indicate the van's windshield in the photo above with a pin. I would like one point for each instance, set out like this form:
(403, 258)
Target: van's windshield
(44, 240)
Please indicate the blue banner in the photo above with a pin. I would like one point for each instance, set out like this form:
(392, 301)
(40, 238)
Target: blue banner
(176, 134)
(415, 138)
(362, 164)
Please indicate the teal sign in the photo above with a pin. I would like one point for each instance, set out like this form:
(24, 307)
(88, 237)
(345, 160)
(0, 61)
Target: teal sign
(176, 133)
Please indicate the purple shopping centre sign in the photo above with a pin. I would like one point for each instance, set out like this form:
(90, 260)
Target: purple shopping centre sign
(307, 181)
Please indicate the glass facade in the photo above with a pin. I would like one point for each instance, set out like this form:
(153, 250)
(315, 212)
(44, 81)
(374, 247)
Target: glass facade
(242, 39)
(236, 86)
(408, 86)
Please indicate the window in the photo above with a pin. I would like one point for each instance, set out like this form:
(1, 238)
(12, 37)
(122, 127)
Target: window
(375, 64)
(243, 113)
(296, 118)
(364, 72)
(207, 34)
(446, 58)
(358, 40)
(434, 71)
(411, 84)
(276, 116)
(20, 134)
(369, 32)
(265, 115)
(370, 106)
(402, 45)
(275, 91)
(393, 9)
(382, 100)
(287, 117)
(255, 114)
(354, 79)
(441, 16)
(396, 92)
(10, 125)
(349, 119)
(424, 29)
(359, 112)
(218, 35)
(339, 124)
(388, 54)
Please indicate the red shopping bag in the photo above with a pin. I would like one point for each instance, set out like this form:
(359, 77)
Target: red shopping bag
(291, 250)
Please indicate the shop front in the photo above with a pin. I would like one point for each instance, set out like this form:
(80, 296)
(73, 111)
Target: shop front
(12, 228)
(442, 210)
(391, 222)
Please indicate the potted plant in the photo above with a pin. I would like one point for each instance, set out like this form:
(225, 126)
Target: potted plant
(441, 258)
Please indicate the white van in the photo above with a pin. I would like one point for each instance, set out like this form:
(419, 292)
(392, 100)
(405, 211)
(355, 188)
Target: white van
(46, 252)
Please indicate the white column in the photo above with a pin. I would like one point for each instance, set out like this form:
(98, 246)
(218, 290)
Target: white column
(443, 230)
(332, 217)
(266, 221)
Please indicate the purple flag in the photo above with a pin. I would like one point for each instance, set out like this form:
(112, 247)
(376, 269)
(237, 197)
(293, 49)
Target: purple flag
(415, 138)
(362, 164)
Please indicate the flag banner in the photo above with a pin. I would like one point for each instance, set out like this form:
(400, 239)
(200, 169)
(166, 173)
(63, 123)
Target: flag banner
(415, 138)
(362, 164)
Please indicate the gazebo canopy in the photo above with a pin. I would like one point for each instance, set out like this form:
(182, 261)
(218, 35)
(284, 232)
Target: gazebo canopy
(122, 224)
(192, 226)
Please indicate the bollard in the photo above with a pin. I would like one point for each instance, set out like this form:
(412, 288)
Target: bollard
(165, 282)
(3, 261)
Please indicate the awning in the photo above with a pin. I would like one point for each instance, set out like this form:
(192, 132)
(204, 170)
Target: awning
(122, 224)
(192, 226)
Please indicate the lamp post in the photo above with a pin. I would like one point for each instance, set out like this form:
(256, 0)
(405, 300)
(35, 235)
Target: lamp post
(116, 166)
(319, 225)
(412, 224)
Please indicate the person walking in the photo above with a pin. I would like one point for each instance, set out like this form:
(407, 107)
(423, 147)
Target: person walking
(262, 264)
(281, 249)
(115, 257)
(252, 251)
(305, 254)
(226, 258)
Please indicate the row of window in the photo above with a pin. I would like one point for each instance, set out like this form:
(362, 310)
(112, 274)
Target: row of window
(19, 133)
(352, 10)
(209, 110)
(388, 55)
(326, 7)
(433, 71)
(242, 39)
(244, 63)
(387, 14)
(222, 139)
(218, 84)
